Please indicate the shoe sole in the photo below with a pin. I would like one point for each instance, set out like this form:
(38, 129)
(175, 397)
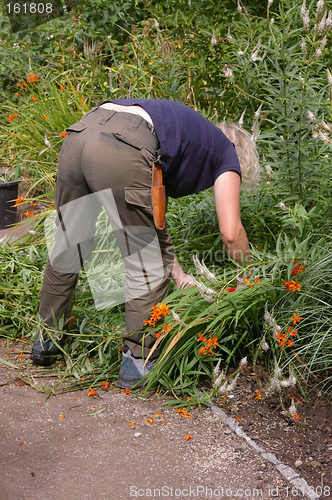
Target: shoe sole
(40, 357)
(129, 382)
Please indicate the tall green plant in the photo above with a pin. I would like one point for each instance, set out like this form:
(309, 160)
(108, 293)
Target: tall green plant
(278, 67)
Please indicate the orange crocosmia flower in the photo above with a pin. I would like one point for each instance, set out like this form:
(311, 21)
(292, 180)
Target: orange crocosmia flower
(296, 319)
(201, 338)
(104, 384)
(126, 391)
(158, 335)
(292, 285)
(133, 423)
(19, 200)
(188, 437)
(213, 342)
(291, 332)
(44, 116)
(183, 412)
(17, 94)
(257, 280)
(163, 309)
(32, 79)
(166, 328)
(158, 415)
(61, 87)
(62, 415)
(297, 269)
(22, 442)
(238, 419)
(25, 85)
(289, 342)
(246, 282)
(28, 214)
(92, 392)
(19, 84)
(64, 134)
(21, 355)
(34, 98)
(297, 416)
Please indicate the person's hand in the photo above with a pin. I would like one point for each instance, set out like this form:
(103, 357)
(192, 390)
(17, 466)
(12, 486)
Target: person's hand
(187, 282)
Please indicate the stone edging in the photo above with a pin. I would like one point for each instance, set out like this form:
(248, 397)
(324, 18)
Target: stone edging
(288, 473)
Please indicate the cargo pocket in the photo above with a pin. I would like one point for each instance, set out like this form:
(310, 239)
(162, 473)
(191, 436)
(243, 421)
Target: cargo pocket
(140, 197)
(126, 138)
(76, 127)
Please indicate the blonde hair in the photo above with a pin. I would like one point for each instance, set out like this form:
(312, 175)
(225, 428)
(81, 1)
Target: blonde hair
(246, 151)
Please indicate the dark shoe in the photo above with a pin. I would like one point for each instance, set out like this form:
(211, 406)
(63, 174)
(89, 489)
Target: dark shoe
(43, 352)
(132, 372)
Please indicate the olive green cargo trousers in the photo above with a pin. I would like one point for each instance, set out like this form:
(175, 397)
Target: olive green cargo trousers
(110, 155)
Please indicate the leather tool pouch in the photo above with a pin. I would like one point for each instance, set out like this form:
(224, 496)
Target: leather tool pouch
(158, 197)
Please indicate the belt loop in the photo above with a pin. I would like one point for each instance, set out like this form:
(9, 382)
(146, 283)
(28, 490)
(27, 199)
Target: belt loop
(107, 117)
(135, 123)
(91, 111)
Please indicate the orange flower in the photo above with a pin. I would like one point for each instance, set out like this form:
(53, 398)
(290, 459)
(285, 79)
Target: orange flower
(163, 309)
(258, 394)
(92, 392)
(157, 312)
(19, 200)
(246, 282)
(44, 116)
(238, 419)
(64, 134)
(289, 342)
(133, 423)
(104, 384)
(25, 85)
(296, 319)
(28, 214)
(126, 391)
(32, 79)
(34, 98)
(210, 343)
(281, 337)
(20, 355)
(297, 269)
(22, 442)
(19, 84)
(166, 328)
(17, 94)
(62, 416)
(291, 332)
(188, 437)
(183, 412)
(297, 416)
(61, 87)
(292, 285)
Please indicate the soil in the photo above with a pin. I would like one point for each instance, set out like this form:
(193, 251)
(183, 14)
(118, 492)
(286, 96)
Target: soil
(304, 444)
(72, 446)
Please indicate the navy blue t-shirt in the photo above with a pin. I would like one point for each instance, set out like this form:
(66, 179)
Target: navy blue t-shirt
(194, 151)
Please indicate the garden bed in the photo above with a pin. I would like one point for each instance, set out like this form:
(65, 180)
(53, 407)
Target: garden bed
(305, 445)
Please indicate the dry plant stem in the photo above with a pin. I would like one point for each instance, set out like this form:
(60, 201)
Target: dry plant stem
(254, 366)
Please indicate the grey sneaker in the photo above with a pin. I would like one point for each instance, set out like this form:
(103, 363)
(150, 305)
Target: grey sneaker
(132, 371)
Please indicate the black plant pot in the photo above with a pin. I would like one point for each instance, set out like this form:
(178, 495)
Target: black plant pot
(8, 196)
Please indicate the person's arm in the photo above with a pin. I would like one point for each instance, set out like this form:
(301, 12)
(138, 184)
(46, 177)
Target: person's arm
(227, 199)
